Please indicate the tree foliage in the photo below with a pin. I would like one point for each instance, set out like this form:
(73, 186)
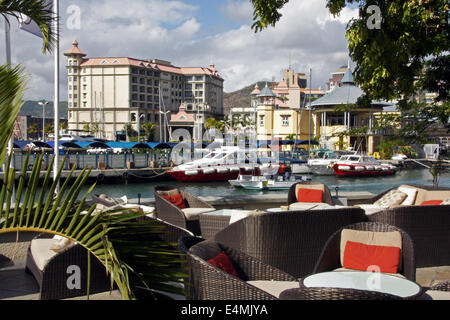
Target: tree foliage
(406, 55)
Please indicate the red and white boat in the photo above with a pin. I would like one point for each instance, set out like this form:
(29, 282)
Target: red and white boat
(222, 164)
(359, 165)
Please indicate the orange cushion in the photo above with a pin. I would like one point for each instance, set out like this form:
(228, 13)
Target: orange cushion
(431, 202)
(359, 256)
(309, 195)
(177, 200)
(223, 262)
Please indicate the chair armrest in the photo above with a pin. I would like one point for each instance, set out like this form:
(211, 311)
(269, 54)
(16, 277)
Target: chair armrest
(329, 258)
(195, 202)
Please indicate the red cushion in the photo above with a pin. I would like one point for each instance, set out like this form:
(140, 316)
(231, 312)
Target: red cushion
(359, 256)
(176, 199)
(224, 263)
(309, 195)
(431, 202)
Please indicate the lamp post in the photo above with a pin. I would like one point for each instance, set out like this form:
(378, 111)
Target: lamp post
(43, 104)
(139, 125)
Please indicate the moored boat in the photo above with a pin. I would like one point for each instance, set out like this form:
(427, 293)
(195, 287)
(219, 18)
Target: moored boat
(359, 165)
(221, 164)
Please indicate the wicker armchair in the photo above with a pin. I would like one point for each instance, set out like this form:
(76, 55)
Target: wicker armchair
(52, 280)
(290, 241)
(334, 294)
(210, 283)
(292, 196)
(172, 214)
(329, 259)
(429, 228)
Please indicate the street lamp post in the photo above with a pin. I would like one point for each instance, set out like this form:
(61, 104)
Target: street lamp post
(139, 125)
(43, 104)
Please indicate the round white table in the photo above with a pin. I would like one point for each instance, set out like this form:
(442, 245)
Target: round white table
(362, 280)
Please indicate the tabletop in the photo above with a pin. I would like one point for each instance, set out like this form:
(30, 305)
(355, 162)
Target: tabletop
(363, 280)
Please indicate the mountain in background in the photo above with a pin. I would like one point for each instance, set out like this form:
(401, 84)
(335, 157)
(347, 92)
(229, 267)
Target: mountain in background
(240, 98)
(33, 109)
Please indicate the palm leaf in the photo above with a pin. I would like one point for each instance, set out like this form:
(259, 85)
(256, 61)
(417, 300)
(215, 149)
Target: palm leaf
(38, 11)
(12, 86)
(128, 245)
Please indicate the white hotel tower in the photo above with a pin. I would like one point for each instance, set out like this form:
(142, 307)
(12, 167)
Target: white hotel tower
(115, 91)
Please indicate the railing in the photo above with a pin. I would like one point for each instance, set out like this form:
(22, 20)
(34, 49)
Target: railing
(95, 161)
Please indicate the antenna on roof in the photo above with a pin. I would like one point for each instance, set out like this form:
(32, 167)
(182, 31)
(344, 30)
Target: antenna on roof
(290, 65)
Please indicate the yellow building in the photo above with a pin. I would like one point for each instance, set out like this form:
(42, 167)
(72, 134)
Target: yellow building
(282, 111)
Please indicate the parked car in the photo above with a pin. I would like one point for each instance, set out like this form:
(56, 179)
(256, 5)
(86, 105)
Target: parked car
(99, 150)
(120, 150)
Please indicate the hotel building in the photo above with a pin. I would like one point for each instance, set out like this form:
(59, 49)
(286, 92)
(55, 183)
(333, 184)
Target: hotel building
(116, 91)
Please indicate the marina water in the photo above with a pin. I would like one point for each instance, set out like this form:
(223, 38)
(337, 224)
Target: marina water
(374, 185)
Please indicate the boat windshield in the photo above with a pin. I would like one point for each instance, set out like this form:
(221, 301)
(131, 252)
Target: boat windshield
(354, 158)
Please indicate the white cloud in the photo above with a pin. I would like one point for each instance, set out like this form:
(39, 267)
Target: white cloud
(240, 11)
(171, 30)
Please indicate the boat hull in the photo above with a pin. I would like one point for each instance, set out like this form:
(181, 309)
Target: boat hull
(352, 171)
(201, 176)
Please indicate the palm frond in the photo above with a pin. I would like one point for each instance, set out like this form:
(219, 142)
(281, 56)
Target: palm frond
(12, 86)
(129, 246)
(36, 10)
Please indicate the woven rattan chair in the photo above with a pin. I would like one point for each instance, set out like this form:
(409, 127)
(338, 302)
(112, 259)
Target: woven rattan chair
(428, 226)
(210, 283)
(172, 214)
(329, 259)
(292, 196)
(334, 294)
(290, 241)
(52, 280)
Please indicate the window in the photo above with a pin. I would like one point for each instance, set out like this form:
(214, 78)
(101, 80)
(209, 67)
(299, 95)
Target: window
(84, 103)
(261, 121)
(285, 121)
(134, 88)
(133, 117)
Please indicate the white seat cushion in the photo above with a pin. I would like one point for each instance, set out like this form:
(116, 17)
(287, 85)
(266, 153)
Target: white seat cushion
(194, 213)
(41, 252)
(435, 295)
(303, 205)
(411, 195)
(274, 287)
(392, 198)
(371, 208)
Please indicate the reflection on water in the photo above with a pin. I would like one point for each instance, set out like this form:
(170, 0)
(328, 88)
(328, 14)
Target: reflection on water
(371, 184)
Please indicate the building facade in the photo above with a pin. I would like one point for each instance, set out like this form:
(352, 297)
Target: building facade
(284, 111)
(329, 121)
(109, 93)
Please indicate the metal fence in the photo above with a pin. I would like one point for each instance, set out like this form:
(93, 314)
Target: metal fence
(98, 161)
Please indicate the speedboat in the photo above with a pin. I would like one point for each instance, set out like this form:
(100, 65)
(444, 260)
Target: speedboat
(360, 165)
(271, 183)
(321, 165)
(222, 164)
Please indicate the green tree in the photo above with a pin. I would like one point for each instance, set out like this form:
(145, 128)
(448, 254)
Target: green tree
(406, 55)
(33, 130)
(149, 130)
(49, 128)
(62, 125)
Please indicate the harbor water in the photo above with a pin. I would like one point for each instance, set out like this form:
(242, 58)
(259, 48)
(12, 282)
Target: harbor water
(373, 185)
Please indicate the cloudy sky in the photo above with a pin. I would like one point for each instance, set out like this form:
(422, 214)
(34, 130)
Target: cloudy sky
(190, 33)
